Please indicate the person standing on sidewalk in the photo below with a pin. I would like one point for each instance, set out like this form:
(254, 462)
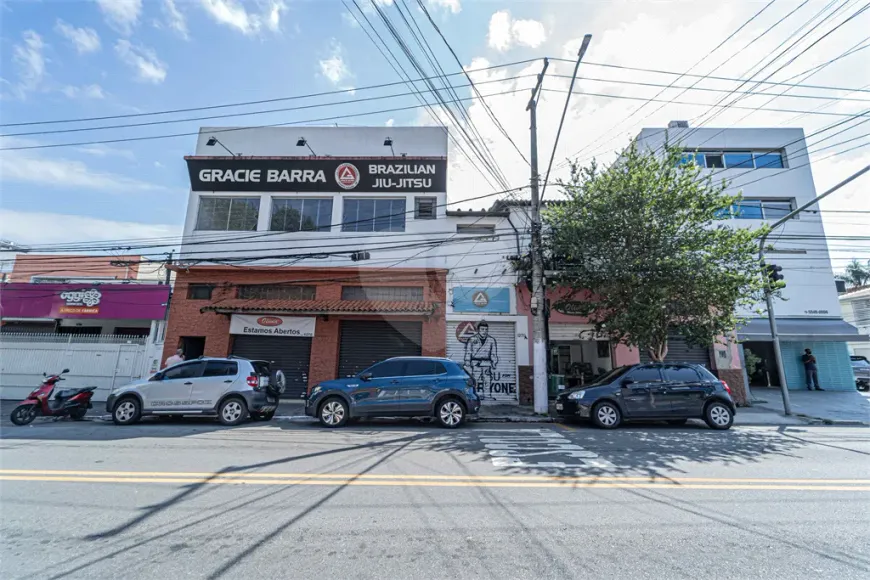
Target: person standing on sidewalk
(811, 370)
(174, 359)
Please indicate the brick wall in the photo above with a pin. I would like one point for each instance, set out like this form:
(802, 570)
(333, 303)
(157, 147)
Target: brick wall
(185, 318)
(526, 385)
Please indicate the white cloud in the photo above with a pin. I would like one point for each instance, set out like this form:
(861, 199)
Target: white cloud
(233, 14)
(390, 122)
(333, 67)
(505, 32)
(453, 6)
(26, 227)
(84, 92)
(84, 40)
(99, 150)
(122, 15)
(143, 60)
(30, 62)
(174, 18)
(28, 166)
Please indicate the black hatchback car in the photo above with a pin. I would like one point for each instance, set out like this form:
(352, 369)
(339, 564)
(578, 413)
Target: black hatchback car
(670, 392)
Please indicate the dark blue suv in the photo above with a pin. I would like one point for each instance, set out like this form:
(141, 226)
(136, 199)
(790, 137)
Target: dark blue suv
(397, 387)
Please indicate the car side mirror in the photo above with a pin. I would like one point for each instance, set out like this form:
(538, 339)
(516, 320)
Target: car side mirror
(366, 377)
(64, 371)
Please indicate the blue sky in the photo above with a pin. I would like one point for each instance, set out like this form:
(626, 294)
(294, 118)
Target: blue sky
(73, 59)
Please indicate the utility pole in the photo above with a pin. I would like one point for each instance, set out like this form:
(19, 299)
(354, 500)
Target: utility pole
(771, 314)
(538, 304)
(168, 263)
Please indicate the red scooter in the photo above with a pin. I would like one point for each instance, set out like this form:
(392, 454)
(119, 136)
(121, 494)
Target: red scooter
(72, 402)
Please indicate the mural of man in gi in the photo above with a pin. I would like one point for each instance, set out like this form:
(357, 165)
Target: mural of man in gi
(481, 358)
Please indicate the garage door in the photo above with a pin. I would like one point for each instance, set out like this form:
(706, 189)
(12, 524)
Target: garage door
(680, 351)
(290, 354)
(493, 360)
(365, 342)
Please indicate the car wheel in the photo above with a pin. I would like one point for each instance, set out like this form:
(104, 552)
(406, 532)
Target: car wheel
(606, 415)
(333, 412)
(127, 411)
(232, 411)
(718, 416)
(450, 413)
(263, 416)
(677, 422)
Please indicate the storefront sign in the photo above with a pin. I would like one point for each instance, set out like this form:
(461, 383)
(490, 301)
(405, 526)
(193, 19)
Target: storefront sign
(120, 301)
(358, 175)
(470, 299)
(272, 325)
(569, 308)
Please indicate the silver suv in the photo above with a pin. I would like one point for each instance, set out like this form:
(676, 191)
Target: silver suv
(229, 388)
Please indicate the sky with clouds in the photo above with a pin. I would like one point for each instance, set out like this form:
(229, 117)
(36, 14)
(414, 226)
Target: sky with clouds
(93, 58)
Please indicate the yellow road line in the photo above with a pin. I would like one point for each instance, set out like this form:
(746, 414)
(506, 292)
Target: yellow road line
(407, 483)
(565, 427)
(562, 479)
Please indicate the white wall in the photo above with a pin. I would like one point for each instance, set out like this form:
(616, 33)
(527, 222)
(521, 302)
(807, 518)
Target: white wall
(810, 291)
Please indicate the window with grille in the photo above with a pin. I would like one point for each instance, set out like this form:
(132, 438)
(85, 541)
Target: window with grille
(390, 293)
(228, 213)
(424, 208)
(484, 229)
(301, 215)
(275, 292)
(373, 215)
(199, 291)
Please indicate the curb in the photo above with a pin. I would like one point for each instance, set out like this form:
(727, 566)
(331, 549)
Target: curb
(514, 419)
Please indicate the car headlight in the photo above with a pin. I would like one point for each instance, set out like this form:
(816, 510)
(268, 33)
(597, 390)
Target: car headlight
(577, 395)
(316, 390)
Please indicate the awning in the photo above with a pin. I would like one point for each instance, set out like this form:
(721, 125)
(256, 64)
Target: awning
(323, 307)
(802, 329)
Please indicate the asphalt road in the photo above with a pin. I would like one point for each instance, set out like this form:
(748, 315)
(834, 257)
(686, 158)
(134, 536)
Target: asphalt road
(191, 499)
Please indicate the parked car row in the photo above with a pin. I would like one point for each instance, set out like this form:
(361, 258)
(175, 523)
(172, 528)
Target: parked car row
(235, 389)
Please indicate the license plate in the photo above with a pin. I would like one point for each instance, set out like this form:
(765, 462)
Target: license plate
(559, 406)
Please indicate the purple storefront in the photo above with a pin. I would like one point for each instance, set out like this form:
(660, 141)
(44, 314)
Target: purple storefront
(84, 309)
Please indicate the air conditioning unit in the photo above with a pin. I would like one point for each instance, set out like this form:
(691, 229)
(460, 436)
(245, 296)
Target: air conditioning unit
(678, 125)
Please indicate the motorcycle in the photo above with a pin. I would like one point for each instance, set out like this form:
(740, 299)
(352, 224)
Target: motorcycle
(69, 402)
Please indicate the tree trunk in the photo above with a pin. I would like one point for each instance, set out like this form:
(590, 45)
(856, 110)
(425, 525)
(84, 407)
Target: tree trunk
(658, 352)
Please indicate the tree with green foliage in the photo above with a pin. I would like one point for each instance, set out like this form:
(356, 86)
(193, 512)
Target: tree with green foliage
(643, 246)
(857, 274)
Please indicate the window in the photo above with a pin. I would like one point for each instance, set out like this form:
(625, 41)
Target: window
(391, 293)
(424, 208)
(759, 209)
(763, 159)
(199, 291)
(301, 215)
(373, 215)
(645, 375)
(220, 368)
(228, 213)
(416, 368)
(484, 229)
(276, 292)
(186, 371)
(390, 368)
(738, 159)
(675, 374)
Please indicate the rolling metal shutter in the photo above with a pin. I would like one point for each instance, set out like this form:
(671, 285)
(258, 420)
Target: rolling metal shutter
(290, 354)
(679, 351)
(365, 342)
(503, 388)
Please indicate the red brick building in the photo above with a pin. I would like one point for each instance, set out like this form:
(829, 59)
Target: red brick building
(314, 323)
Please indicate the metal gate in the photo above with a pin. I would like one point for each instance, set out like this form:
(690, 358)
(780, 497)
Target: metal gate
(492, 361)
(290, 354)
(680, 351)
(365, 342)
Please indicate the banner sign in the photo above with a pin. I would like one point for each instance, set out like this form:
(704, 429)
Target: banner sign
(354, 175)
(569, 308)
(471, 299)
(272, 325)
(123, 301)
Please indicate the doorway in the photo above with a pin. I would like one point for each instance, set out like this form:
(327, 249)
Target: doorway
(193, 346)
(580, 361)
(760, 360)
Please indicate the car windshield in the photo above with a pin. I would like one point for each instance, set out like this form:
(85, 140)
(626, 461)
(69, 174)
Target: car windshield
(610, 376)
(860, 363)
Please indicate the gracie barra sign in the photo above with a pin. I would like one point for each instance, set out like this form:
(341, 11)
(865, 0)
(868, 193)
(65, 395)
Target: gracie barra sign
(364, 175)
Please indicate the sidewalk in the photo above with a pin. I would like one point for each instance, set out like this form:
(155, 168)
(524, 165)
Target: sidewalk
(827, 407)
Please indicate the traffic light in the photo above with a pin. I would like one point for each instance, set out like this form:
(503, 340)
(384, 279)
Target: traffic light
(774, 273)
